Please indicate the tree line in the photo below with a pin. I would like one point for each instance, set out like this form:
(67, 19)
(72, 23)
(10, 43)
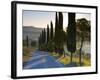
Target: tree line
(52, 39)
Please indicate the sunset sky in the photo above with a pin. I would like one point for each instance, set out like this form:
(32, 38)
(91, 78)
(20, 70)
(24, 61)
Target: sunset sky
(41, 18)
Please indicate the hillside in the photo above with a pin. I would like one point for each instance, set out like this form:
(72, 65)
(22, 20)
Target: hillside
(32, 32)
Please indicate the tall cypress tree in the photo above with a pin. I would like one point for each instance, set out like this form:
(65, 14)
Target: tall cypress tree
(51, 31)
(27, 41)
(44, 36)
(60, 33)
(56, 25)
(56, 32)
(60, 21)
(48, 33)
(71, 34)
(39, 42)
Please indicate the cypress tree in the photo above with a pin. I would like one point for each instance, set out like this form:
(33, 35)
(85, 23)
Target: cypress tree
(56, 32)
(27, 41)
(44, 36)
(60, 21)
(56, 25)
(71, 34)
(60, 33)
(51, 31)
(48, 33)
(39, 42)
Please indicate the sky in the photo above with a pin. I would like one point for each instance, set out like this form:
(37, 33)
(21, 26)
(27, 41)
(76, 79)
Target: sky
(42, 18)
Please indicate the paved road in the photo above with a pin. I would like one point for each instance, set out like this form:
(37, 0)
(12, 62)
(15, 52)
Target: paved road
(40, 60)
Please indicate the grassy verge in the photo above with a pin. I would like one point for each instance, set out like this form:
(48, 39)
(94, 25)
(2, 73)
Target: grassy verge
(27, 53)
(54, 54)
(66, 59)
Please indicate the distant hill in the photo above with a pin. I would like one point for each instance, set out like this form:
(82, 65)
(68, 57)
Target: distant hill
(32, 32)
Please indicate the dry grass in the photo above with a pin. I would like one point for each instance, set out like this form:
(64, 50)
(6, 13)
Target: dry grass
(87, 62)
(66, 60)
(27, 53)
(54, 54)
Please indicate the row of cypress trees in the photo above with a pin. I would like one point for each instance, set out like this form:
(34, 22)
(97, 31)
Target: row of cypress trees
(51, 40)
(46, 38)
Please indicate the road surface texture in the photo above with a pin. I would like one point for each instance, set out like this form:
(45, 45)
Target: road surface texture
(41, 59)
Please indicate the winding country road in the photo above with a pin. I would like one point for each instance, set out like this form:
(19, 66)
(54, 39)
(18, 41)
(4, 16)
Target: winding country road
(40, 60)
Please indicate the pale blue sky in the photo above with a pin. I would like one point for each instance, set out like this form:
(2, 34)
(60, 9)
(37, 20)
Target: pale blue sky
(41, 18)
